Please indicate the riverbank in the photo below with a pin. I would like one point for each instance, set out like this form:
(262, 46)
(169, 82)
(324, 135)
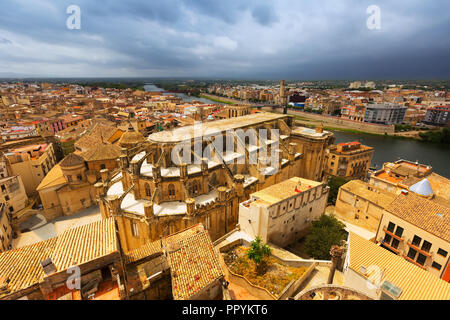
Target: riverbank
(303, 120)
(204, 96)
(391, 149)
(409, 135)
(336, 122)
(224, 99)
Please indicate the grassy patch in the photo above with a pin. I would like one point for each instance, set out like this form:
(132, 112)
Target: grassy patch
(215, 99)
(275, 278)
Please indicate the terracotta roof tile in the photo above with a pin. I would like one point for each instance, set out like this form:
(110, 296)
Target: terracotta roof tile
(415, 283)
(22, 266)
(82, 244)
(423, 213)
(194, 265)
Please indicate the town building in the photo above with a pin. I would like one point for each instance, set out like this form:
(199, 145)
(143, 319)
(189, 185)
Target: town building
(281, 214)
(438, 116)
(382, 275)
(417, 229)
(51, 125)
(12, 190)
(232, 111)
(71, 120)
(183, 266)
(348, 160)
(386, 113)
(98, 134)
(6, 231)
(18, 132)
(353, 112)
(32, 163)
(68, 187)
(362, 204)
(42, 270)
(407, 175)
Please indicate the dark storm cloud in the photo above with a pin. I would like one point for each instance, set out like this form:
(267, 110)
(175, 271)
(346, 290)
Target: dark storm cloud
(236, 38)
(5, 41)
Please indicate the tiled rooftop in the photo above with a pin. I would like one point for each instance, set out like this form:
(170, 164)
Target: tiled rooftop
(194, 265)
(284, 190)
(415, 283)
(423, 213)
(75, 246)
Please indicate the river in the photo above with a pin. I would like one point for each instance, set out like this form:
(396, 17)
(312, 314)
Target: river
(387, 149)
(185, 97)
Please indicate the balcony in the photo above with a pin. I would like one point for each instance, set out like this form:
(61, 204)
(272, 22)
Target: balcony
(390, 247)
(425, 253)
(392, 234)
(414, 262)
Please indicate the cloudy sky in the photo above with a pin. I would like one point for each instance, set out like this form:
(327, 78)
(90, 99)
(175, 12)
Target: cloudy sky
(290, 39)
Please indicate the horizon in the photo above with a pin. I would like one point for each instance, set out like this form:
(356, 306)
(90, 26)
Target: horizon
(254, 40)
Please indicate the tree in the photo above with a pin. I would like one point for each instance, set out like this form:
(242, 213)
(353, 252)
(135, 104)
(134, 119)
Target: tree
(325, 233)
(258, 251)
(335, 183)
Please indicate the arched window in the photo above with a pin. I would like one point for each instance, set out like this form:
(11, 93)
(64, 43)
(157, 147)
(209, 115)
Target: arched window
(148, 191)
(171, 191)
(195, 188)
(213, 179)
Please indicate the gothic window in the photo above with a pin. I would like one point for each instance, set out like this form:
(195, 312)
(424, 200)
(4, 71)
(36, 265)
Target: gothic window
(195, 188)
(208, 222)
(148, 192)
(213, 179)
(134, 229)
(171, 191)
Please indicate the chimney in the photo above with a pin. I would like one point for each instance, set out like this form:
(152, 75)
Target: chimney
(48, 266)
(336, 253)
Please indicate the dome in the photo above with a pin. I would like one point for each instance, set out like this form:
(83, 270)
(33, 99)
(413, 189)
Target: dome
(102, 152)
(422, 188)
(131, 137)
(72, 160)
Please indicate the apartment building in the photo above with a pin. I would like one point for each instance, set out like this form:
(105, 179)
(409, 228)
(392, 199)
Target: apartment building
(348, 160)
(51, 125)
(282, 213)
(386, 113)
(12, 194)
(71, 120)
(417, 229)
(438, 116)
(353, 112)
(32, 163)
